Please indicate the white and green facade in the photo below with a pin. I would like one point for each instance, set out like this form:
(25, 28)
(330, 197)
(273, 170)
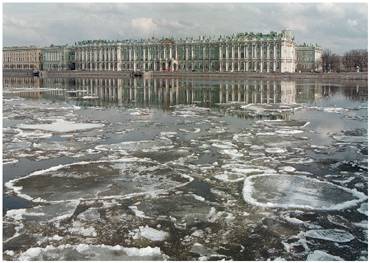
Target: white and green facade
(57, 58)
(244, 52)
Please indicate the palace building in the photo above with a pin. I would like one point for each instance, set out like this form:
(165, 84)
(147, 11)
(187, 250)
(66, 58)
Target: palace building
(58, 58)
(244, 52)
(309, 57)
(22, 58)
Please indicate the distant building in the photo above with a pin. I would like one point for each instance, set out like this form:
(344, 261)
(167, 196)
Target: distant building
(308, 58)
(22, 58)
(58, 58)
(244, 52)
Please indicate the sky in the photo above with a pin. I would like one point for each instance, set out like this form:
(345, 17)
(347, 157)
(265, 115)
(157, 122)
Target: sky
(337, 26)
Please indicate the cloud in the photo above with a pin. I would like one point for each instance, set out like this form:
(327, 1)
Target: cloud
(145, 24)
(338, 26)
(352, 22)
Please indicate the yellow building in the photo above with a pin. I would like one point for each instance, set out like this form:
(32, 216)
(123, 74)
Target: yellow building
(22, 58)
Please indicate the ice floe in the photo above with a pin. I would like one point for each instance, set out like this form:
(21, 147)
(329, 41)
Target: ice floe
(61, 126)
(297, 191)
(319, 255)
(363, 209)
(151, 233)
(275, 150)
(335, 235)
(236, 172)
(91, 252)
(131, 176)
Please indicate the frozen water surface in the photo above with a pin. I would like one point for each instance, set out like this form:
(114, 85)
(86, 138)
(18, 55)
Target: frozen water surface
(297, 191)
(180, 169)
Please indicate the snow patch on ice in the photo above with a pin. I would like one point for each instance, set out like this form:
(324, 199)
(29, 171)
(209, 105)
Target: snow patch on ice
(61, 126)
(151, 233)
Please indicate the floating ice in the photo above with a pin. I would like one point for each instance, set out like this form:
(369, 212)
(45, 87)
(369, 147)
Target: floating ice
(363, 209)
(335, 109)
(299, 160)
(89, 97)
(237, 172)
(284, 123)
(363, 224)
(297, 191)
(9, 252)
(265, 108)
(199, 198)
(91, 252)
(288, 132)
(9, 161)
(137, 212)
(223, 144)
(129, 146)
(131, 177)
(245, 138)
(319, 255)
(232, 153)
(350, 139)
(275, 150)
(288, 169)
(18, 214)
(33, 135)
(152, 233)
(61, 126)
(141, 112)
(80, 229)
(335, 235)
(168, 134)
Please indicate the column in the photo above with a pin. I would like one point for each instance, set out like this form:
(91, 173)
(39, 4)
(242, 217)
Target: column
(220, 57)
(134, 50)
(268, 57)
(232, 58)
(274, 57)
(239, 58)
(96, 59)
(144, 58)
(100, 58)
(227, 58)
(261, 57)
(119, 58)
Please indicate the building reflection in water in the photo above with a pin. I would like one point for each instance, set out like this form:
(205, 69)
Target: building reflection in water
(165, 93)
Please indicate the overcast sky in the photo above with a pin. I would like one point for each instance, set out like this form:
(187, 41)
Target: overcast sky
(339, 27)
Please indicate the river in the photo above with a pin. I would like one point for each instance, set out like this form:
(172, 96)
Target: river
(184, 169)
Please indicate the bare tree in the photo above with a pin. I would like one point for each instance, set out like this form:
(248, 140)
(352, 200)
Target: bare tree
(354, 60)
(331, 62)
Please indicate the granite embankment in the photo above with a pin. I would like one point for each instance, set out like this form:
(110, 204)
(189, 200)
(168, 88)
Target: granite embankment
(345, 76)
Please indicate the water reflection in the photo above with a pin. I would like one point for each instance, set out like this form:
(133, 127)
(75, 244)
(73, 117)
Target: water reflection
(165, 93)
